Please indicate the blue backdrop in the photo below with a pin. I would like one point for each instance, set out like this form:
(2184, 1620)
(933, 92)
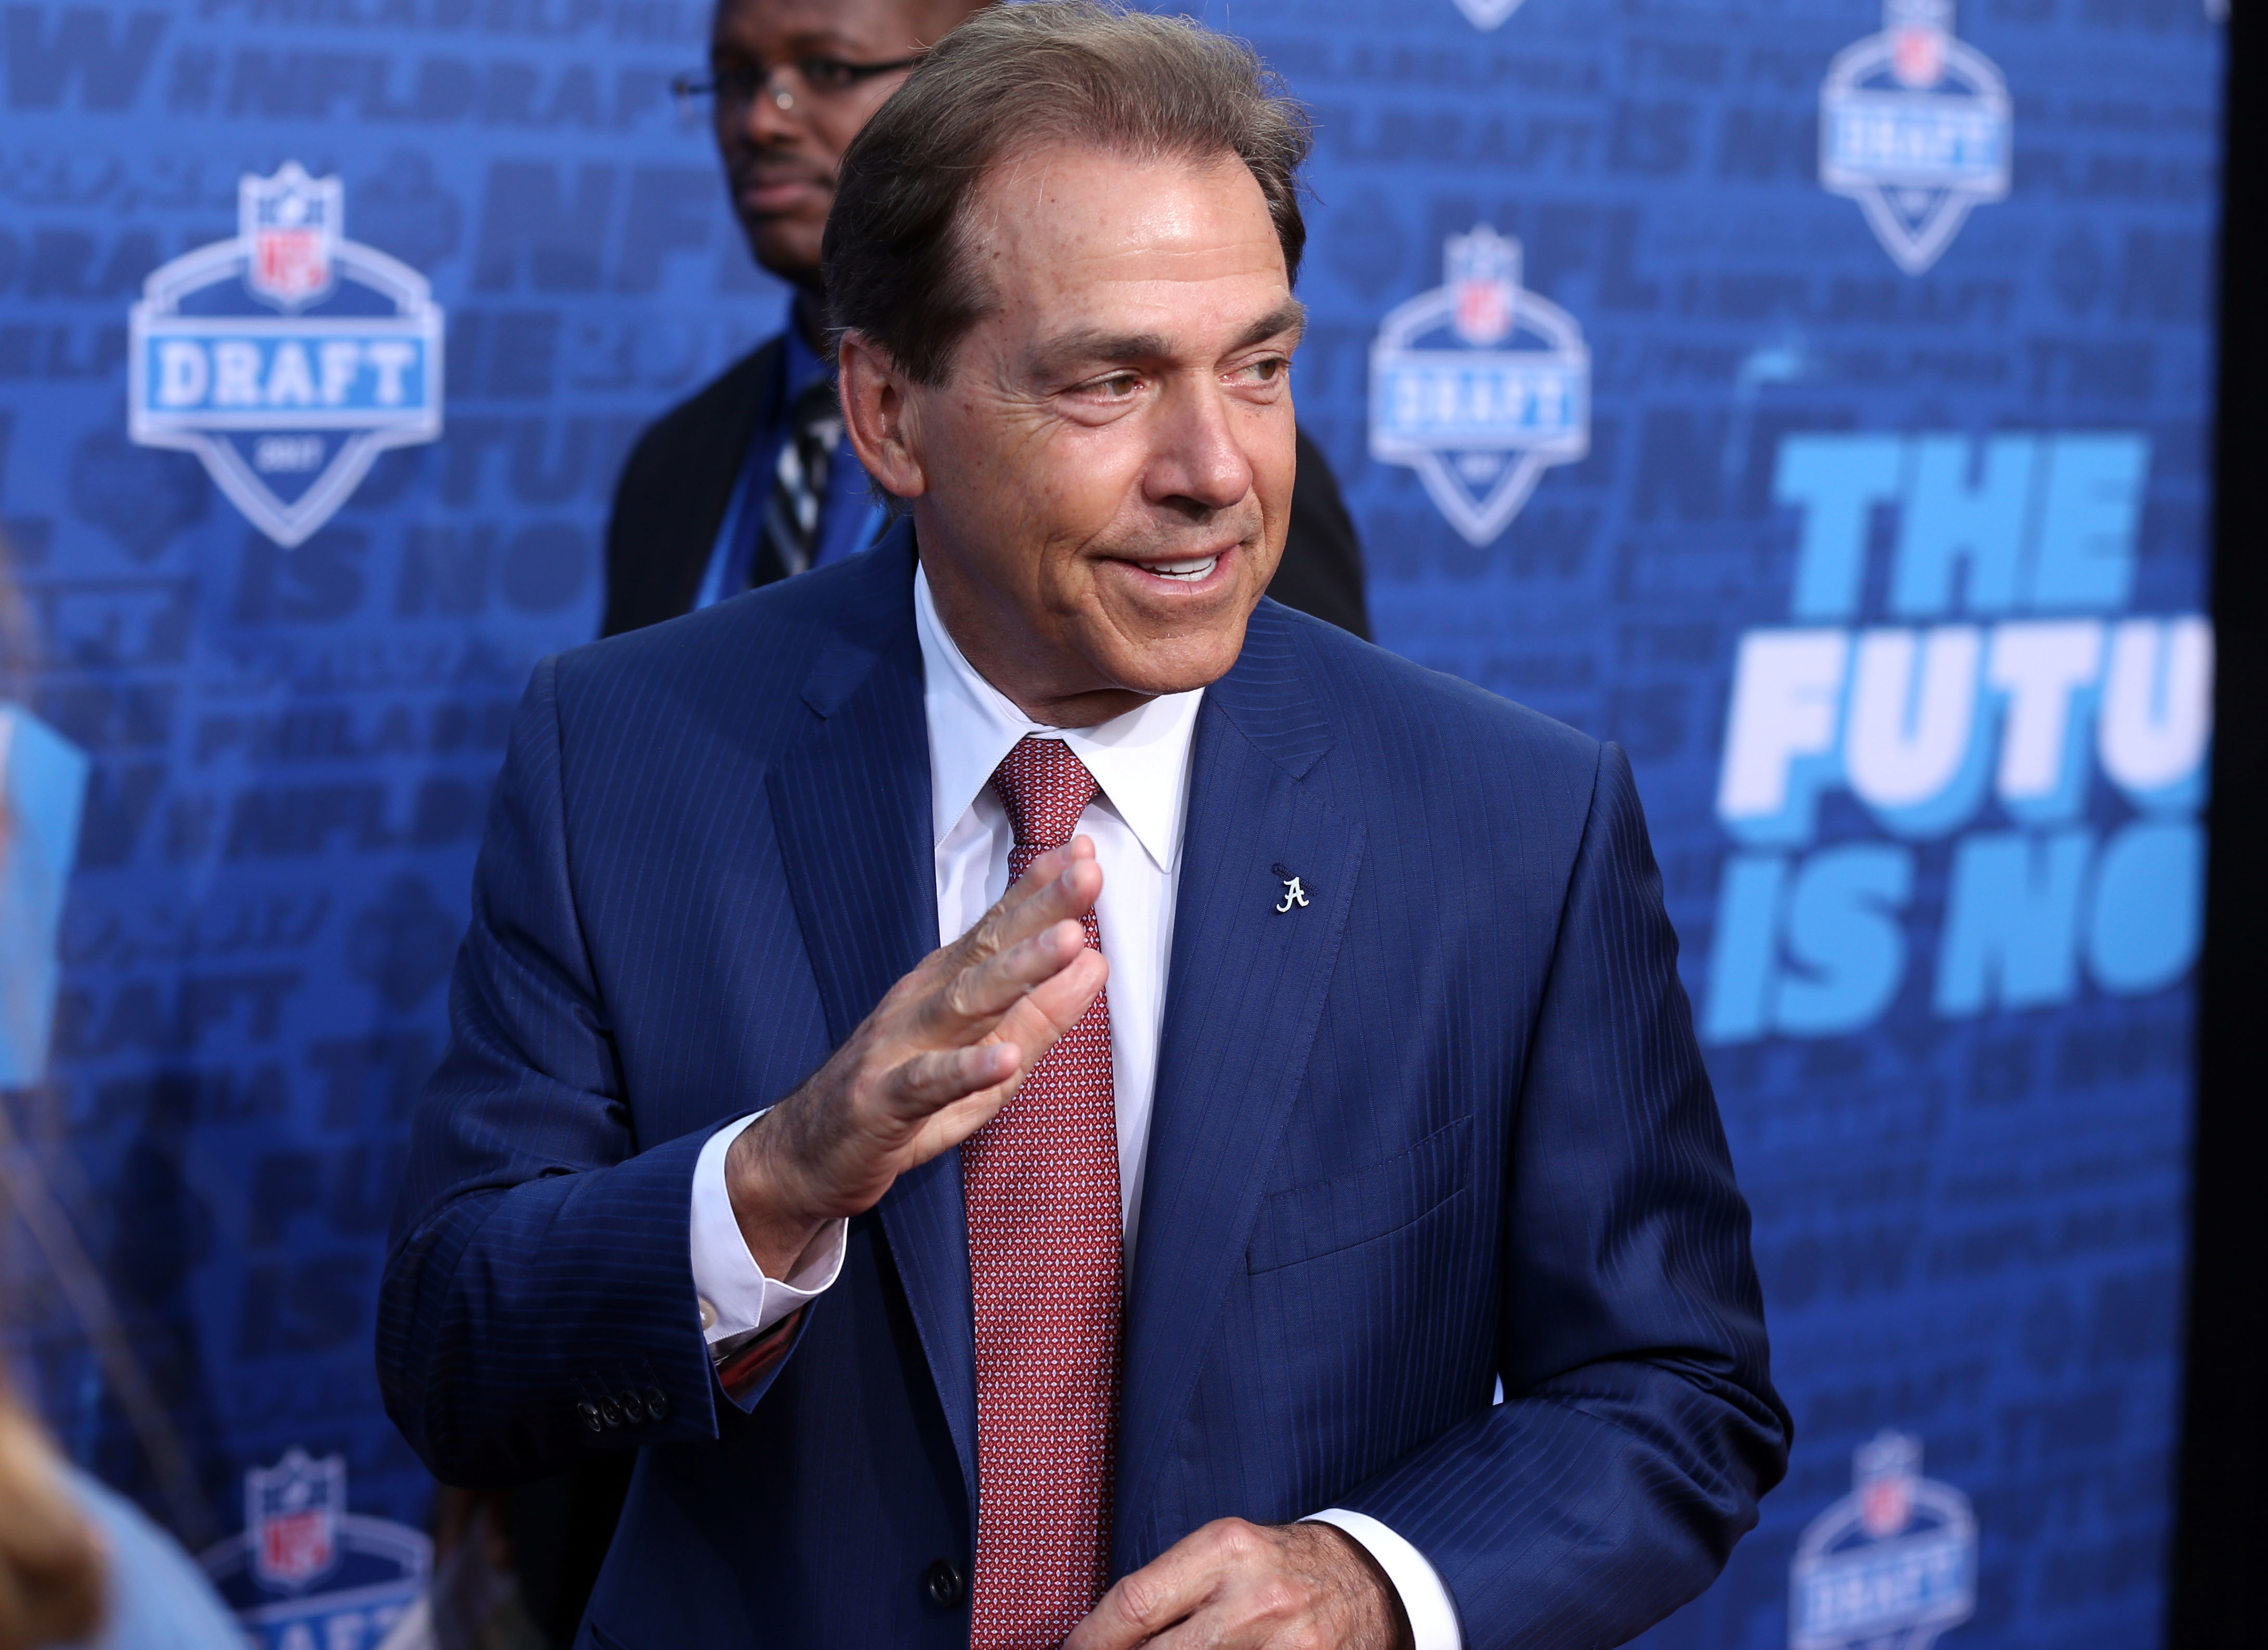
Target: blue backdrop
(1811, 394)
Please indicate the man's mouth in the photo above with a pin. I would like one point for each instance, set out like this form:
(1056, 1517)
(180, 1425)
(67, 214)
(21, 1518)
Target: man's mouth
(761, 190)
(1189, 570)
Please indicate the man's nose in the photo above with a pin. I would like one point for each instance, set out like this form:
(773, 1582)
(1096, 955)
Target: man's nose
(774, 114)
(1199, 459)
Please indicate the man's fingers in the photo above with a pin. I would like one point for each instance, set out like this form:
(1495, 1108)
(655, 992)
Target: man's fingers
(1138, 1608)
(929, 1081)
(1034, 1016)
(1062, 882)
(1053, 863)
(1053, 1006)
(949, 1093)
(1171, 1587)
(968, 1004)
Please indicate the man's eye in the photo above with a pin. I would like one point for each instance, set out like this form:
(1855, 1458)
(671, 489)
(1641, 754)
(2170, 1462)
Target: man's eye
(827, 74)
(1117, 386)
(1266, 370)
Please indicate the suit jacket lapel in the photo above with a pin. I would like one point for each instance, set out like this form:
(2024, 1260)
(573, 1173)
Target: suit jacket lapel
(1242, 1003)
(851, 808)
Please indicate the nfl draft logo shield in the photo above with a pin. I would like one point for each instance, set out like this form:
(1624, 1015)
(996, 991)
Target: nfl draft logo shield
(1915, 125)
(307, 1574)
(1456, 396)
(1891, 1565)
(287, 359)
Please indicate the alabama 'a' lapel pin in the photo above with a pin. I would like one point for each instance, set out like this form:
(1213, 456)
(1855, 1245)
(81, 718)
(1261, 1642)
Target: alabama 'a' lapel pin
(1294, 894)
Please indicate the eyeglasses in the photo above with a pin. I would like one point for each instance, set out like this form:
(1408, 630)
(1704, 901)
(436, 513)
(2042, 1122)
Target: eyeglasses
(820, 79)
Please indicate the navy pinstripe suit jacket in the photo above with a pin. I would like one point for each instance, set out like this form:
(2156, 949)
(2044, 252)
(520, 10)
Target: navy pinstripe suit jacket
(1447, 1122)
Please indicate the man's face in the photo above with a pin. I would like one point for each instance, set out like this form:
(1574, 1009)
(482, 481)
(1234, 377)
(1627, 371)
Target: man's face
(783, 138)
(1105, 478)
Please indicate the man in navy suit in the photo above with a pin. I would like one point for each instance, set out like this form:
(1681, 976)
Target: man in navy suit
(1304, 1059)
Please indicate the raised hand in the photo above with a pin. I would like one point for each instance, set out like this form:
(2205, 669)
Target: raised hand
(942, 1052)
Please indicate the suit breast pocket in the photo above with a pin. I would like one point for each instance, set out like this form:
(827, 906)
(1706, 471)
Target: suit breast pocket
(1308, 1222)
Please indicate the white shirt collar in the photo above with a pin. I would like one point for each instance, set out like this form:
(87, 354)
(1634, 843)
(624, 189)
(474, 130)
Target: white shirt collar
(1140, 760)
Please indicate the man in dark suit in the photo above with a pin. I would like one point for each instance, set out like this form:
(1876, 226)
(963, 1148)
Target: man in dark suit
(753, 478)
(1304, 1056)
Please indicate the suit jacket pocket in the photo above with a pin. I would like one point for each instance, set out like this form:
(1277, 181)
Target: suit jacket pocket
(1308, 1222)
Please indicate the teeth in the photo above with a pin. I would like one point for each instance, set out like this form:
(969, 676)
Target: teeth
(1192, 571)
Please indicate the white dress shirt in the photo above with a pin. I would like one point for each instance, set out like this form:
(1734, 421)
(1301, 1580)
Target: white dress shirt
(1140, 761)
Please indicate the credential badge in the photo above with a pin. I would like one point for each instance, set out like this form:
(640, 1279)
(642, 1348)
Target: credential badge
(1891, 1565)
(1455, 395)
(1915, 125)
(286, 360)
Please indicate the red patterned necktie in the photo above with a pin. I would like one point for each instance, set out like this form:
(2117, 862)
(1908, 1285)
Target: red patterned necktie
(1040, 1181)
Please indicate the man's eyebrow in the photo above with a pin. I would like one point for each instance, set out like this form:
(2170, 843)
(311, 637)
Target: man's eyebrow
(1289, 316)
(1087, 344)
(821, 40)
(1083, 345)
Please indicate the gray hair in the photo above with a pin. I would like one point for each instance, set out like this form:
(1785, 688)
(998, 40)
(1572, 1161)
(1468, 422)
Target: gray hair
(1012, 79)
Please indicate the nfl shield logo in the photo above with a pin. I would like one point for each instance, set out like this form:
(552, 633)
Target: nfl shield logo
(291, 1512)
(290, 222)
(1886, 1471)
(1484, 271)
(1918, 55)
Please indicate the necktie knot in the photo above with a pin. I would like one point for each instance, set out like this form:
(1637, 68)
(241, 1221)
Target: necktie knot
(1045, 787)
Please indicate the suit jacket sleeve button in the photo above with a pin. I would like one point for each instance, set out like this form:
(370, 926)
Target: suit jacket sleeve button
(633, 1406)
(610, 1412)
(943, 1583)
(589, 1412)
(656, 1403)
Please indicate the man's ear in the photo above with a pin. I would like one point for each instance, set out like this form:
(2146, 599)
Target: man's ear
(879, 414)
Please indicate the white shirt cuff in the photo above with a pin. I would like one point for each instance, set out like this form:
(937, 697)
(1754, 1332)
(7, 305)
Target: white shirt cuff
(736, 1297)
(1433, 1618)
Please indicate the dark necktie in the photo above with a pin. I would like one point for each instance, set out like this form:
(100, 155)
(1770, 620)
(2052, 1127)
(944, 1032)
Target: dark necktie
(799, 479)
(1041, 1187)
